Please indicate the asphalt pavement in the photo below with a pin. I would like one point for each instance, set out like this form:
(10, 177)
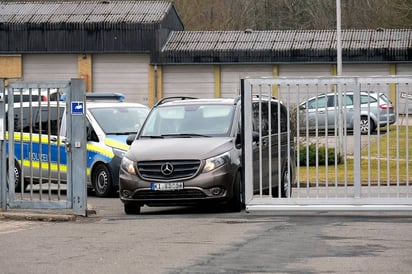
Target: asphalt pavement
(202, 240)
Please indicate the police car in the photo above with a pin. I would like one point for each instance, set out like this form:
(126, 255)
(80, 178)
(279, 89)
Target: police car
(26, 95)
(40, 141)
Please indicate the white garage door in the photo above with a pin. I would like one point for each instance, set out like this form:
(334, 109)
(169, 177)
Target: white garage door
(124, 73)
(299, 94)
(231, 75)
(49, 67)
(366, 70)
(304, 70)
(186, 80)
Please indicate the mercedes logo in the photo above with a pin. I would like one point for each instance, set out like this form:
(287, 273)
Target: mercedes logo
(166, 169)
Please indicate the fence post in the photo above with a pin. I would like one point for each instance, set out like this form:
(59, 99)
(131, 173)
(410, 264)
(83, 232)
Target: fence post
(77, 146)
(3, 172)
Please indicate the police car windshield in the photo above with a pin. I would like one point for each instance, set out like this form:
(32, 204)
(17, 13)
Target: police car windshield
(119, 120)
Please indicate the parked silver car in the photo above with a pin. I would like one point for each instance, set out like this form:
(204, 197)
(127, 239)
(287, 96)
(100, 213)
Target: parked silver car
(321, 111)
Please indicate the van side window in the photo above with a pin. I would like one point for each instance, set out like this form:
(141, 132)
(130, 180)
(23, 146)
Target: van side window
(274, 117)
(264, 118)
(283, 119)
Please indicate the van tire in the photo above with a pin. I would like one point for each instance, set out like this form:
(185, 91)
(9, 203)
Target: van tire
(235, 204)
(286, 185)
(102, 181)
(132, 208)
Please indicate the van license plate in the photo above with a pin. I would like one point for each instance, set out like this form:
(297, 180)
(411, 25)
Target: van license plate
(167, 186)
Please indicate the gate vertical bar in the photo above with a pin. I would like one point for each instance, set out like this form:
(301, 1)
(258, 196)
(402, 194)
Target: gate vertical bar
(76, 176)
(246, 95)
(3, 172)
(10, 147)
(357, 178)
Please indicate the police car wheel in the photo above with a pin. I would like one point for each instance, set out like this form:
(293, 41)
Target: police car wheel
(17, 177)
(102, 181)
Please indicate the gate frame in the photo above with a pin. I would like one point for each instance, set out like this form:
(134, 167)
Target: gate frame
(356, 203)
(76, 190)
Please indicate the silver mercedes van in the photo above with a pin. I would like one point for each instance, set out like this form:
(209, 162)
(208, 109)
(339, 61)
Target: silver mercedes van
(189, 151)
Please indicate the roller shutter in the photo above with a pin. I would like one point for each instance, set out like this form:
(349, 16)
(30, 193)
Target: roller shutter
(302, 93)
(365, 70)
(124, 73)
(186, 80)
(49, 67)
(231, 75)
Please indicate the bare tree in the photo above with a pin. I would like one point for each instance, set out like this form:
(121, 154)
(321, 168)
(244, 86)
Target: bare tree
(293, 14)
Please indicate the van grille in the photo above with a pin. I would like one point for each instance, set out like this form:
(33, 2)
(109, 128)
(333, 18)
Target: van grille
(179, 194)
(168, 170)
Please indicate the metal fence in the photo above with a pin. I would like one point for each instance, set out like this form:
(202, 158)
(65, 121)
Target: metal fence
(352, 143)
(37, 131)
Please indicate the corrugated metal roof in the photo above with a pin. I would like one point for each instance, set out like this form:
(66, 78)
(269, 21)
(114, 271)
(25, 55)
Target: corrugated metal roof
(83, 12)
(299, 39)
(287, 45)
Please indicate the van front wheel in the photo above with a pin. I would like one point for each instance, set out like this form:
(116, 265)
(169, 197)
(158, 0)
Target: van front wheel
(132, 208)
(102, 181)
(236, 203)
(286, 184)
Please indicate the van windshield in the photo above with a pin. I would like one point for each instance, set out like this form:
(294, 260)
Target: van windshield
(119, 120)
(189, 121)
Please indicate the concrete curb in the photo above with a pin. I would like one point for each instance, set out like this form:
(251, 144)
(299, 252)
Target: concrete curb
(54, 216)
(27, 216)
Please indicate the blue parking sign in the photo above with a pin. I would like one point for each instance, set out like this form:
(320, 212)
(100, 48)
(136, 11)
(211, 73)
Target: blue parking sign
(77, 108)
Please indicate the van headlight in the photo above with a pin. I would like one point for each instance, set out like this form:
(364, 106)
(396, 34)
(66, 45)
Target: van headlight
(217, 161)
(128, 166)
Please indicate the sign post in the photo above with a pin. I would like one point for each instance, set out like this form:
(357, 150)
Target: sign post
(77, 145)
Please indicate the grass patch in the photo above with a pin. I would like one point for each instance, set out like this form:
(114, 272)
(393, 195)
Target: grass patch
(396, 144)
(383, 165)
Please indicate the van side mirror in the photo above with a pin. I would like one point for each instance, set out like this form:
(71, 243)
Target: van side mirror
(130, 139)
(238, 140)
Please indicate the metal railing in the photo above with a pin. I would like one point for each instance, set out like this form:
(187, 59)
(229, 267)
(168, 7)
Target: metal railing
(350, 154)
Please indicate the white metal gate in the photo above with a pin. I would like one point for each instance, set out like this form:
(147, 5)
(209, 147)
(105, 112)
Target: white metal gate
(338, 166)
(47, 169)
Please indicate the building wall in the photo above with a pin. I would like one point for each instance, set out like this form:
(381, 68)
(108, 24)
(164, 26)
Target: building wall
(403, 94)
(133, 75)
(11, 66)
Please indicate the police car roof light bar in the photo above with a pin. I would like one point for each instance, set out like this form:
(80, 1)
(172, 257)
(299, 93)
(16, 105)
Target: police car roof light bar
(101, 96)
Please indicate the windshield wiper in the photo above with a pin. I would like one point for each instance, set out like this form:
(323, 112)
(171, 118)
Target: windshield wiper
(152, 136)
(121, 133)
(185, 135)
